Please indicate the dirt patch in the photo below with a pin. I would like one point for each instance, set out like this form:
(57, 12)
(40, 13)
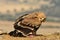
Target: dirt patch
(55, 36)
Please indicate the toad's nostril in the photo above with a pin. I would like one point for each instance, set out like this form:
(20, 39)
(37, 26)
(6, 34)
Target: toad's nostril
(41, 18)
(44, 20)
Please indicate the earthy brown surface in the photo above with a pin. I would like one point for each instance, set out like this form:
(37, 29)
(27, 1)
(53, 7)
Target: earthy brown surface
(8, 26)
(55, 36)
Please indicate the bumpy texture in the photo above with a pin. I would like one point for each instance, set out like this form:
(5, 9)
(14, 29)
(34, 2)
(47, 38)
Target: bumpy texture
(29, 23)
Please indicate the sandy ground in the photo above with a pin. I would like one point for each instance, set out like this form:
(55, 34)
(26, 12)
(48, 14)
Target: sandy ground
(7, 26)
(55, 36)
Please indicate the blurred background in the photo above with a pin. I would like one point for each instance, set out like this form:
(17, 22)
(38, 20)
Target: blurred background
(10, 10)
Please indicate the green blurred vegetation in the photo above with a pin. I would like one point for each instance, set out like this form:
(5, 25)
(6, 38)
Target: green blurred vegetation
(52, 12)
(7, 17)
(53, 19)
(50, 26)
(10, 17)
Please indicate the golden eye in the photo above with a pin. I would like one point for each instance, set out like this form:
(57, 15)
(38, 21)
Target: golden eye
(35, 17)
(40, 18)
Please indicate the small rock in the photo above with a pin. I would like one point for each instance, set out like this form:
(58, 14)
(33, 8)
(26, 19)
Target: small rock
(1, 31)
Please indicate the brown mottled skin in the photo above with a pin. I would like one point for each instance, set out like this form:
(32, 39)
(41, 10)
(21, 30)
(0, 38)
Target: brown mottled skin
(33, 20)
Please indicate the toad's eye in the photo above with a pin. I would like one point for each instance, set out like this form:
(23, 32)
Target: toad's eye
(35, 17)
